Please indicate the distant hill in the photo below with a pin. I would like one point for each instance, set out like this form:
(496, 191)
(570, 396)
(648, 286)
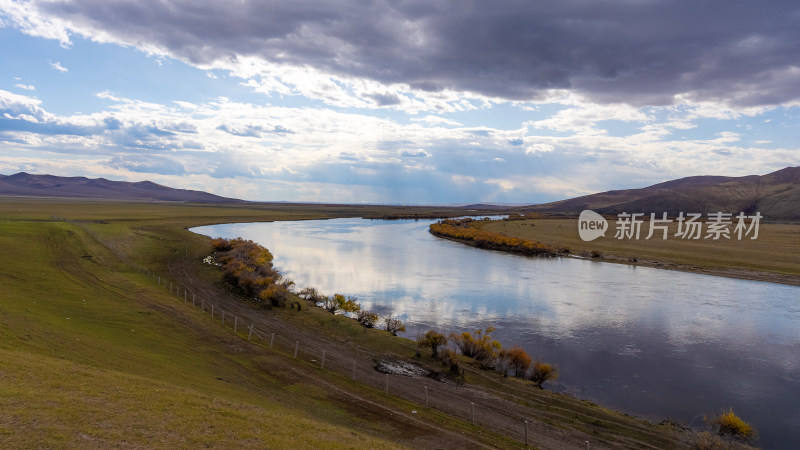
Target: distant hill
(25, 184)
(776, 195)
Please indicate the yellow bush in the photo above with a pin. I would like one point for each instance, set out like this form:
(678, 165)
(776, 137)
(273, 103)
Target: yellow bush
(731, 425)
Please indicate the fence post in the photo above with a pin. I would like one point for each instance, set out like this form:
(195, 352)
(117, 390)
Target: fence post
(296, 347)
(354, 371)
(472, 408)
(251, 332)
(184, 295)
(235, 323)
(526, 432)
(426, 396)
(170, 287)
(587, 445)
(202, 304)
(193, 299)
(387, 383)
(271, 341)
(212, 310)
(223, 317)
(322, 366)
(159, 280)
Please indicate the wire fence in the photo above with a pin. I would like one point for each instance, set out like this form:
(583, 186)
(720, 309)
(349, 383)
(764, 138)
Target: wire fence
(479, 406)
(421, 390)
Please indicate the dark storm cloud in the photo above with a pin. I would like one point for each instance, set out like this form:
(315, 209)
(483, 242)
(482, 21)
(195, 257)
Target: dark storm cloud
(642, 52)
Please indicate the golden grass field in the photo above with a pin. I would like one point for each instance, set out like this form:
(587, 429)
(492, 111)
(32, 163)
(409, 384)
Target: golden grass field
(773, 256)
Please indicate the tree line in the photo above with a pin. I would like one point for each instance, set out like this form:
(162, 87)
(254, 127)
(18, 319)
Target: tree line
(488, 353)
(463, 230)
(247, 266)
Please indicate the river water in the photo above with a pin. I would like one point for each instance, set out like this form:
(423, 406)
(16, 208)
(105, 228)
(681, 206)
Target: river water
(650, 342)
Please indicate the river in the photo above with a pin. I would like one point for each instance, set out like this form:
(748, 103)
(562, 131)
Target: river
(650, 342)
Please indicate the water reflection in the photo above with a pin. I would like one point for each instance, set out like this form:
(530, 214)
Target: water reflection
(652, 342)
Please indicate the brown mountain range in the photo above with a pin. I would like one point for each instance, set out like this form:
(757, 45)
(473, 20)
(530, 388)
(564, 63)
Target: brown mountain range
(27, 185)
(776, 195)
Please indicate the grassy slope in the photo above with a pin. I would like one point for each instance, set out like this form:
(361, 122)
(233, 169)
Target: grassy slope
(774, 256)
(92, 354)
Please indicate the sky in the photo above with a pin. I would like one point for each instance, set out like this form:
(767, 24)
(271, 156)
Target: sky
(399, 102)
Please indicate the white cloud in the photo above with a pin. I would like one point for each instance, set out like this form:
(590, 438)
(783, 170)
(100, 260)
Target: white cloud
(57, 65)
(27, 87)
(539, 148)
(436, 120)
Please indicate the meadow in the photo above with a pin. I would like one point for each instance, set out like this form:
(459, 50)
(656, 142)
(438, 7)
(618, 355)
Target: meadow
(94, 354)
(774, 256)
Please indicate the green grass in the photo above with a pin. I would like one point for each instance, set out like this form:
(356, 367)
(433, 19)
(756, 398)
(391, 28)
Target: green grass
(95, 355)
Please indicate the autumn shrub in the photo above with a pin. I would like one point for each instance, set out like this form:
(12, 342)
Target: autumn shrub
(728, 424)
(433, 340)
(542, 372)
(394, 325)
(461, 229)
(311, 294)
(514, 359)
(248, 267)
(478, 345)
(347, 305)
(367, 319)
(220, 244)
(450, 359)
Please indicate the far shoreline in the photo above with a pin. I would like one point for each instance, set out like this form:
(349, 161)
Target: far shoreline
(550, 232)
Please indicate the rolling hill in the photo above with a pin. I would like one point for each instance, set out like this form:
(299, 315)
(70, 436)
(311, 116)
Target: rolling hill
(776, 195)
(28, 185)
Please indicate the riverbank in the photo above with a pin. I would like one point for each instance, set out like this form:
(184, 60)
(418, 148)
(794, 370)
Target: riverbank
(773, 257)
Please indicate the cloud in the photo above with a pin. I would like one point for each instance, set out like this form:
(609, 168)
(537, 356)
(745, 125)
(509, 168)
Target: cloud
(253, 130)
(436, 120)
(415, 154)
(57, 65)
(642, 53)
(267, 152)
(150, 164)
(27, 87)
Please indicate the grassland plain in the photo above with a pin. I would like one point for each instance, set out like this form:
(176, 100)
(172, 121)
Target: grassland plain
(774, 256)
(94, 355)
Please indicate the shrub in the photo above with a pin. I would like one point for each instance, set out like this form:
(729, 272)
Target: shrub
(394, 325)
(367, 319)
(330, 304)
(248, 266)
(220, 244)
(479, 346)
(730, 425)
(311, 294)
(515, 359)
(432, 339)
(275, 294)
(462, 229)
(542, 372)
(449, 359)
(347, 304)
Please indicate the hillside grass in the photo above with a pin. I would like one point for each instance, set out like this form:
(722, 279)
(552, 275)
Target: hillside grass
(92, 354)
